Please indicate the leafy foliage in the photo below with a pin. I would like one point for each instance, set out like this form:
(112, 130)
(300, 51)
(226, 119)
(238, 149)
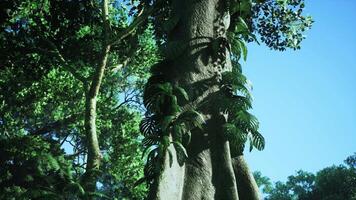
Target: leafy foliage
(34, 168)
(334, 182)
(263, 182)
(280, 27)
(280, 23)
(49, 52)
(241, 126)
(165, 122)
(351, 161)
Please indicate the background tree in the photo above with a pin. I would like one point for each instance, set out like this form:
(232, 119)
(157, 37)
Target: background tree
(263, 182)
(53, 57)
(32, 167)
(334, 182)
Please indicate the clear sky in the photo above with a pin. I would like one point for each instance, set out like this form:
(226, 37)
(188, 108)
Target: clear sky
(306, 100)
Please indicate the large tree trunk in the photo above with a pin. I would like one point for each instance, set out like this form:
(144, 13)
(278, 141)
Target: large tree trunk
(208, 173)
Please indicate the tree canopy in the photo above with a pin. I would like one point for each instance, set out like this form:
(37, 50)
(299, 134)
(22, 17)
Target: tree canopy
(49, 53)
(334, 182)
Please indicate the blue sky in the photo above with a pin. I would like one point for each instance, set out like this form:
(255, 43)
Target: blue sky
(306, 100)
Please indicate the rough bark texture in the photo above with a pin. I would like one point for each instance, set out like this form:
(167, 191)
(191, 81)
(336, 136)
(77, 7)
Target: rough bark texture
(246, 184)
(208, 173)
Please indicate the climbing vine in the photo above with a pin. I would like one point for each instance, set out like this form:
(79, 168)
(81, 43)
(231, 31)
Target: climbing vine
(166, 122)
(169, 120)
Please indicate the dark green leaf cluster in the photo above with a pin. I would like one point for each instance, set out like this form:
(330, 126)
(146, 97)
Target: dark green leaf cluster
(241, 125)
(334, 182)
(238, 36)
(166, 121)
(34, 168)
(49, 50)
(280, 23)
(351, 161)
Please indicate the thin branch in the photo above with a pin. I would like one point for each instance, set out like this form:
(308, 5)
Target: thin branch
(55, 125)
(116, 68)
(74, 155)
(71, 143)
(80, 165)
(137, 21)
(128, 98)
(121, 104)
(65, 138)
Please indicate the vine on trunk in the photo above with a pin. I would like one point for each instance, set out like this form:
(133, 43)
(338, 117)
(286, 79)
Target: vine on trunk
(169, 121)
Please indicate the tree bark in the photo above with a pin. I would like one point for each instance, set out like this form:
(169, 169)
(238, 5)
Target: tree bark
(208, 173)
(94, 156)
(246, 184)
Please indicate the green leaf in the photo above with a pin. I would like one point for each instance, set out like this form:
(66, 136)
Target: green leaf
(180, 148)
(187, 137)
(247, 121)
(75, 188)
(258, 141)
(151, 164)
(167, 120)
(165, 88)
(245, 6)
(191, 117)
(177, 132)
(150, 140)
(179, 90)
(235, 7)
(148, 126)
(155, 95)
(242, 26)
(97, 194)
(172, 104)
(149, 149)
(165, 142)
(140, 181)
(233, 134)
(253, 36)
(243, 48)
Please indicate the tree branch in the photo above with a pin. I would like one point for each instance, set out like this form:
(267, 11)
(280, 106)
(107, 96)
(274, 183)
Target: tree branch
(74, 155)
(55, 125)
(116, 68)
(55, 52)
(137, 21)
